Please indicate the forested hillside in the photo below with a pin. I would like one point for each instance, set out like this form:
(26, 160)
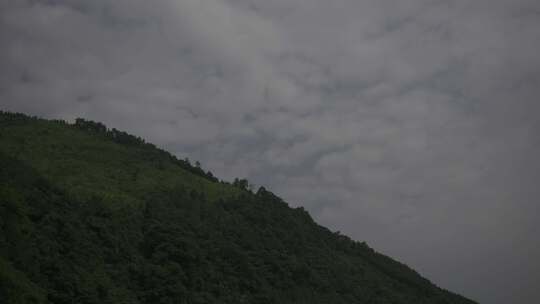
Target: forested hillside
(92, 215)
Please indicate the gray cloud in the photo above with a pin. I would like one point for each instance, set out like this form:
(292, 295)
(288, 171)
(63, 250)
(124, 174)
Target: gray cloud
(410, 124)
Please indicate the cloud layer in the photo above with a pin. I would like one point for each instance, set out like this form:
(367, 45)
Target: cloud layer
(413, 124)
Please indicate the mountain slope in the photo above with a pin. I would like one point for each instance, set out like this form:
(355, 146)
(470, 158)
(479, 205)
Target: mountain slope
(91, 215)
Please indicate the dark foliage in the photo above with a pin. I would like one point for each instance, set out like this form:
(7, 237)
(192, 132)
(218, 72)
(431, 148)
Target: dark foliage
(80, 228)
(128, 139)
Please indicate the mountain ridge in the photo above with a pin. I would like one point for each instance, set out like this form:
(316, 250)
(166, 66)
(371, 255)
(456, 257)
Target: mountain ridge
(95, 215)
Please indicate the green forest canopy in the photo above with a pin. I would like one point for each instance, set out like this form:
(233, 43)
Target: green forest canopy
(95, 215)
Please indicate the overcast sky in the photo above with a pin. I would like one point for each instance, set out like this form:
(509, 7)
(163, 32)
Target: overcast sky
(411, 124)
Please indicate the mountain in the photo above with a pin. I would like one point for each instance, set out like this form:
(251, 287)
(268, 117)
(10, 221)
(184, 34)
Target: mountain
(93, 215)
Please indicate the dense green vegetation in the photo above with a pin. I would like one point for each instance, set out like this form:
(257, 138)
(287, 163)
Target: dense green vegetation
(91, 215)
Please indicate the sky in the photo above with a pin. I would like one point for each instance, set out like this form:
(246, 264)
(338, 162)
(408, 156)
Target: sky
(413, 125)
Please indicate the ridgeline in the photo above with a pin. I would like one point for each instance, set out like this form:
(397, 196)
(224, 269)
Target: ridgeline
(95, 215)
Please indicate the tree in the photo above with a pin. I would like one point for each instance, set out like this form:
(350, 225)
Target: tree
(241, 183)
